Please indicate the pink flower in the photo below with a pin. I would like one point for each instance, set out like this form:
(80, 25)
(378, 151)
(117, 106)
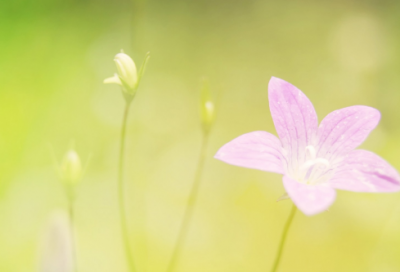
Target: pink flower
(314, 160)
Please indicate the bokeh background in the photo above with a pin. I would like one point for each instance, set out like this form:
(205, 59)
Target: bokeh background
(54, 57)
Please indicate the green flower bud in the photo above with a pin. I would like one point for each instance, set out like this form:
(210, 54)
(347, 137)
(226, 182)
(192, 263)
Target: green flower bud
(207, 111)
(71, 167)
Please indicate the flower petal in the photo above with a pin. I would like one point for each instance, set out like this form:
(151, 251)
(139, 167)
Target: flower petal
(364, 171)
(259, 150)
(310, 199)
(343, 130)
(115, 80)
(294, 117)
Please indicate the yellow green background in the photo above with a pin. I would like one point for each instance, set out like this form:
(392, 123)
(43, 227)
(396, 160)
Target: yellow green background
(54, 55)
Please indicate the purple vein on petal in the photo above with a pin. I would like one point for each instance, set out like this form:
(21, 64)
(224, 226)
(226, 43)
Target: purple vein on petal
(363, 121)
(320, 145)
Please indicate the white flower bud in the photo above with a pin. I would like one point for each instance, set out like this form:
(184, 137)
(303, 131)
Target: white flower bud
(126, 70)
(127, 74)
(128, 77)
(71, 167)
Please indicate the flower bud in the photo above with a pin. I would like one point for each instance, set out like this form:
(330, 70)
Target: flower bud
(207, 112)
(71, 167)
(127, 74)
(126, 70)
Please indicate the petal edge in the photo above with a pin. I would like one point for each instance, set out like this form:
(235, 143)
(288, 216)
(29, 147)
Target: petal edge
(364, 171)
(310, 199)
(341, 131)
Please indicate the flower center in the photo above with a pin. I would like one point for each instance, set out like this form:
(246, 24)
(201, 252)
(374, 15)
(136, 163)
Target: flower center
(313, 170)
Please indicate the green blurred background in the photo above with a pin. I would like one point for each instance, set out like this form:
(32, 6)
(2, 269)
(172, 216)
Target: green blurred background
(54, 57)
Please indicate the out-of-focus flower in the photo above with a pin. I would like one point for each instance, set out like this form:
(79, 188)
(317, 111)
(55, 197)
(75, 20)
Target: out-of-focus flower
(71, 167)
(56, 251)
(207, 112)
(359, 43)
(127, 75)
(315, 160)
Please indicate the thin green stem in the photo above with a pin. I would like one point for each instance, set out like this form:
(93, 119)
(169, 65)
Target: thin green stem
(71, 200)
(182, 235)
(283, 239)
(121, 198)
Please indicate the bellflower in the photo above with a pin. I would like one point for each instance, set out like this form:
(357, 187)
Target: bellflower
(314, 160)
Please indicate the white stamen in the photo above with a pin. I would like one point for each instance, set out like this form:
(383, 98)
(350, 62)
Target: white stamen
(314, 169)
(307, 164)
(322, 161)
(310, 163)
(312, 151)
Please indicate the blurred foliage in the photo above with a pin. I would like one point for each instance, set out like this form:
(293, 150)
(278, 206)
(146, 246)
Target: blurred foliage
(55, 55)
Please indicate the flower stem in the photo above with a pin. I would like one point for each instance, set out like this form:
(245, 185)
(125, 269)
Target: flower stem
(182, 235)
(283, 239)
(71, 200)
(121, 198)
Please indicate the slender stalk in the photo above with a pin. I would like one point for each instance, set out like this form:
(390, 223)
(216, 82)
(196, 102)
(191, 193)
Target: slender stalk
(71, 200)
(283, 239)
(121, 198)
(182, 235)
